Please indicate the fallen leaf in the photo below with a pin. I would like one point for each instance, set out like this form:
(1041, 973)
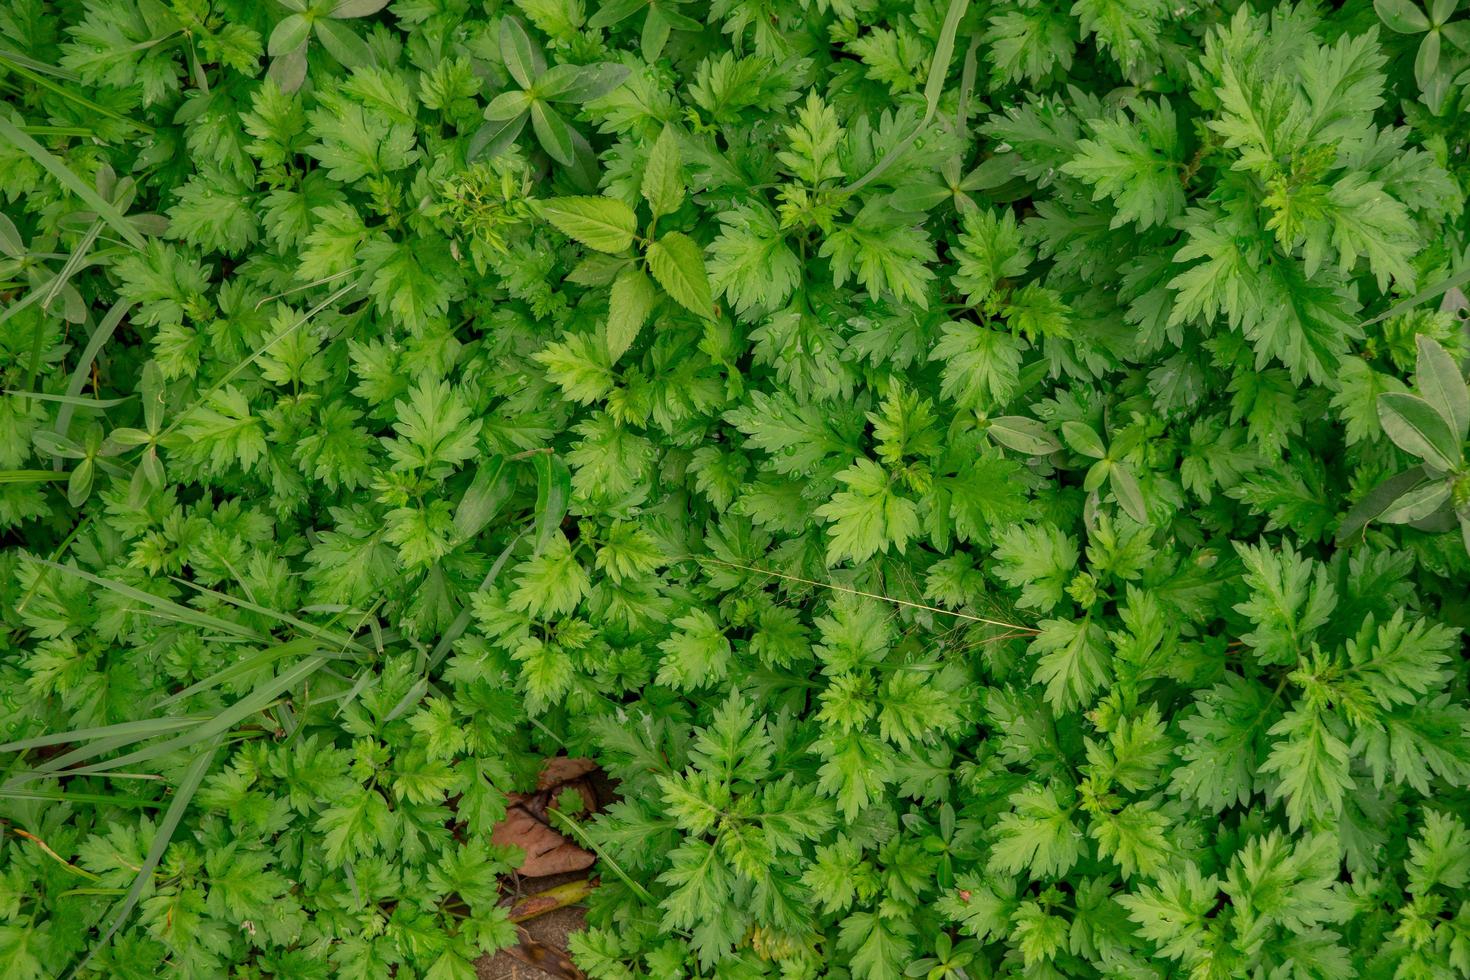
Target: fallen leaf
(563, 769)
(544, 957)
(547, 852)
(527, 825)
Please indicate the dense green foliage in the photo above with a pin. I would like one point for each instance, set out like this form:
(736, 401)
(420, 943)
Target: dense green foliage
(988, 479)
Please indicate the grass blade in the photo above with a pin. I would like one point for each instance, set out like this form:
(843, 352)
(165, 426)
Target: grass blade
(75, 401)
(100, 337)
(100, 799)
(31, 476)
(174, 610)
(256, 701)
(36, 71)
(241, 669)
(933, 89)
(135, 730)
(462, 621)
(330, 636)
(69, 179)
(553, 492)
(183, 795)
(1424, 296)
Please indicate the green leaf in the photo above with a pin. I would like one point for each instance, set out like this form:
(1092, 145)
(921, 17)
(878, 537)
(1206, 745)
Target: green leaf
(1072, 661)
(553, 133)
(678, 265)
(631, 301)
(1439, 857)
(751, 263)
(289, 34)
(1135, 163)
(1023, 435)
(1417, 504)
(344, 9)
(880, 948)
(519, 53)
(491, 488)
(1037, 836)
(1403, 16)
(663, 177)
(1291, 597)
(342, 42)
(1174, 913)
(1376, 501)
(496, 136)
(183, 795)
(1442, 385)
(507, 106)
(1083, 439)
(1040, 560)
(696, 655)
(989, 251)
(355, 142)
(601, 223)
(1419, 429)
(1126, 489)
(869, 516)
(69, 180)
(553, 494)
(581, 83)
(982, 366)
(1312, 763)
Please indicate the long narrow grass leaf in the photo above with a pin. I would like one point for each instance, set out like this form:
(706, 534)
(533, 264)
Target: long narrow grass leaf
(181, 613)
(258, 700)
(135, 730)
(183, 796)
(31, 476)
(99, 338)
(69, 179)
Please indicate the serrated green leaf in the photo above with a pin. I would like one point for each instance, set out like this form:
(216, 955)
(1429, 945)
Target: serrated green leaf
(631, 301)
(600, 223)
(678, 265)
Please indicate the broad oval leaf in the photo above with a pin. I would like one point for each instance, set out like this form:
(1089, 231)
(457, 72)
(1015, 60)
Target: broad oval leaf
(79, 486)
(1402, 16)
(1426, 60)
(1083, 439)
(494, 138)
(344, 44)
(663, 176)
(1439, 380)
(521, 55)
(1023, 435)
(1418, 503)
(580, 83)
(11, 244)
(356, 8)
(1376, 501)
(1416, 428)
(289, 34)
(553, 133)
(1129, 494)
(488, 492)
(613, 11)
(508, 105)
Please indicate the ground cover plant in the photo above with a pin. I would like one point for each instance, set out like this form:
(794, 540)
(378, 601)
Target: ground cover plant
(987, 480)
